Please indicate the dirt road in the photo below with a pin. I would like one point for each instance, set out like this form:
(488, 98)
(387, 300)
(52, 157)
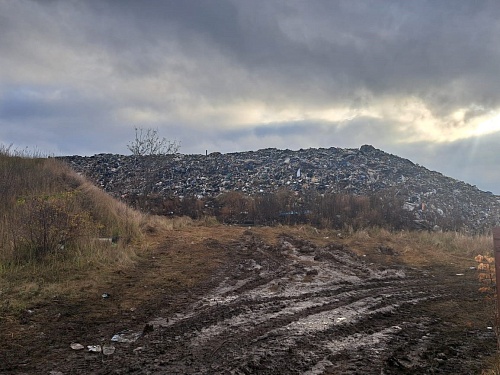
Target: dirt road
(286, 306)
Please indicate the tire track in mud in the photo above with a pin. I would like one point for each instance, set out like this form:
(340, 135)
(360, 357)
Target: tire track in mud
(286, 308)
(294, 308)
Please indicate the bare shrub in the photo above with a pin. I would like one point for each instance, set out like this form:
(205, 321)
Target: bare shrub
(235, 207)
(47, 223)
(148, 142)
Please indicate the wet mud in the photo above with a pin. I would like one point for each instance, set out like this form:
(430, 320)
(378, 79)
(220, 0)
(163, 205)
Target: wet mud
(293, 307)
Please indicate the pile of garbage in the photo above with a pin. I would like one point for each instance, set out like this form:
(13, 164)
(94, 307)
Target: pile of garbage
(364, 171)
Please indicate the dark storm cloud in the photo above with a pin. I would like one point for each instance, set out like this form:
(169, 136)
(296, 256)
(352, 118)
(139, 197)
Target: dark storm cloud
(27, 103)
(55, 120)
(444, 52)
(218, 74)
(315, 52)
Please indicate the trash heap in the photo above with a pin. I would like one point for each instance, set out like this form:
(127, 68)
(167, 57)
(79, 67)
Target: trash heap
(362, 171)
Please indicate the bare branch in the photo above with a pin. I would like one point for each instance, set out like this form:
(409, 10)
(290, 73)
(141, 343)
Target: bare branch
(148, 142)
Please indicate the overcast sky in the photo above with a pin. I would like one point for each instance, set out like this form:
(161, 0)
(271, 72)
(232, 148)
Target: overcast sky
(418, 79)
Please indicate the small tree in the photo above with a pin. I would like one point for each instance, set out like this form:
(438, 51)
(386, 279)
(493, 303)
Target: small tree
(148, 142)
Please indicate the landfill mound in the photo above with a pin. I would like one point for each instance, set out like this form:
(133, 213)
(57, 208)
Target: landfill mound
(432, 199)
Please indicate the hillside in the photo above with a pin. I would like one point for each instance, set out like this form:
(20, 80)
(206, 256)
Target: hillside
(430, 199)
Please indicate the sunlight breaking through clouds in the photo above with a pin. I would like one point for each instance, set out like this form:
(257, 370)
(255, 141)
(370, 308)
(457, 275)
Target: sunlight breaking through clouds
(238, 75)
(414, 120)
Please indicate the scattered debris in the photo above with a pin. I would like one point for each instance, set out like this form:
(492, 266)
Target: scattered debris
(76, 346)
(138, 349)
(94, 348)
(126, 337)
(108, 349)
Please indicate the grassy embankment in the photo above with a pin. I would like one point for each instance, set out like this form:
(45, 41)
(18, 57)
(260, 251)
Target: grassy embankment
(57, 229)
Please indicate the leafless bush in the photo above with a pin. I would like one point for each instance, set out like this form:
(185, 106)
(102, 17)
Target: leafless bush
(44, 224)
(148, 142)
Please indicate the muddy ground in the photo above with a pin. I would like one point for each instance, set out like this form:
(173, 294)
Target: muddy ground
(255, 302)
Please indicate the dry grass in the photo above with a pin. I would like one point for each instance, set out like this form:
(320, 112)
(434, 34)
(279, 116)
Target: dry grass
(422, 248)
(494, 367)
(56, 231)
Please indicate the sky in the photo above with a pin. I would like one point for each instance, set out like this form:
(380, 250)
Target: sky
(418, 79)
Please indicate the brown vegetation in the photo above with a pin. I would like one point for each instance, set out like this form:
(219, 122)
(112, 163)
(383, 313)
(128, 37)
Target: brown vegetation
(48, 210)
(54, 225)
(336, 211)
